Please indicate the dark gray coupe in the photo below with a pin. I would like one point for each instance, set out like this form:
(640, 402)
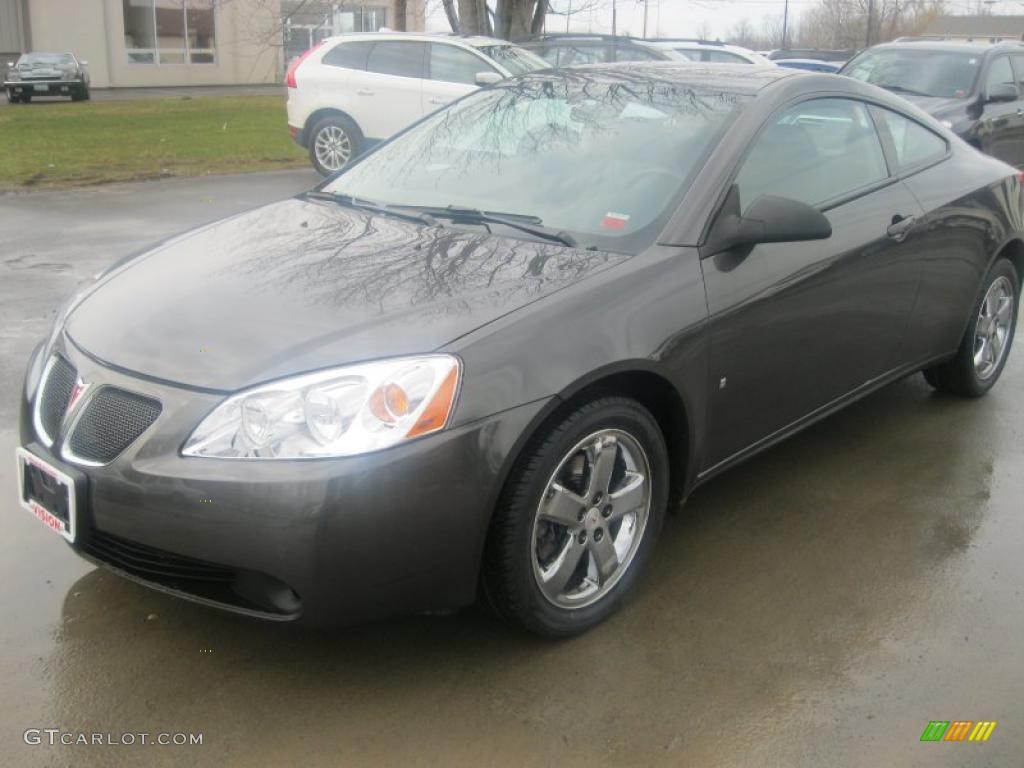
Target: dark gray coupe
(489, 356)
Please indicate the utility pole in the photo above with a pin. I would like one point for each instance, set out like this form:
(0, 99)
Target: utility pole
(785, 23)
(645, 19)
(614, 28)
(871, 13)
(568, 15)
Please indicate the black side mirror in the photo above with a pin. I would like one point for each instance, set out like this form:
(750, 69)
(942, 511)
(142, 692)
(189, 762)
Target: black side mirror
(1002, 92)
(769, 219)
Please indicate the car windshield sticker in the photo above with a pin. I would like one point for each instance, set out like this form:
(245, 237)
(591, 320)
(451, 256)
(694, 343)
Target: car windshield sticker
(614, 220)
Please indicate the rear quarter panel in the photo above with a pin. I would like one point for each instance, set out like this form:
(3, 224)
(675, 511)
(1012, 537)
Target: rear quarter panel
(973, 208)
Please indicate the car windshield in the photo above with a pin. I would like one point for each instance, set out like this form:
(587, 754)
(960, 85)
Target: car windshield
(46, 60)
(943, 74)
(518, 61)
(603, 160)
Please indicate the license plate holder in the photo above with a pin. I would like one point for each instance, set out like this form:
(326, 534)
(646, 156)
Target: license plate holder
(47, 492)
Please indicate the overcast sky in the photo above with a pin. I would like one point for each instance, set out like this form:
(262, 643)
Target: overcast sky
(683, 18)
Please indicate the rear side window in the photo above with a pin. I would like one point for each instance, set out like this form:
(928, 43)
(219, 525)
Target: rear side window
(349, 55)
(690, 53)
(815, 152)
(914, 144)
(723, 57)
(634, 53)
(570, 54)
(400, 57)
(455, 65)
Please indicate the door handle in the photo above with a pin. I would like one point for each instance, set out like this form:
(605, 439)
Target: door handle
(900, 227)
(435, 100)
(364, 92)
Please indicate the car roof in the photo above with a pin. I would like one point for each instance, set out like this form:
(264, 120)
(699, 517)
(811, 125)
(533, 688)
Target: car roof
(952, 46)
(725, 77)
(470, 41)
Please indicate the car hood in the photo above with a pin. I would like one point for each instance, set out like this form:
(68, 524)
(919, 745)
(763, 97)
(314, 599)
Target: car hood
(302, 284)
(933, 105)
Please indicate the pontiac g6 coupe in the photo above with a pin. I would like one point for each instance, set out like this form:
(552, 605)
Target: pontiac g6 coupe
(486, 358)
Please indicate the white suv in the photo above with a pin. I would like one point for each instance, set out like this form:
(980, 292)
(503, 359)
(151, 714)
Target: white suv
(352, 91)
(707, 50)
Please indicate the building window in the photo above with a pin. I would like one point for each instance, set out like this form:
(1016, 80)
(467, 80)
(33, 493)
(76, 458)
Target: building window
(169, 31)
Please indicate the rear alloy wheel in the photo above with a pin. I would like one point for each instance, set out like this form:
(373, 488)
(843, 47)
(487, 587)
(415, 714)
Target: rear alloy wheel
(578, 519)
(986, 344)
(333, 142)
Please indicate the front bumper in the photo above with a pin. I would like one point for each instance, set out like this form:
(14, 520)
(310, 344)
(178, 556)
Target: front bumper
(328, 540)
(50, 87)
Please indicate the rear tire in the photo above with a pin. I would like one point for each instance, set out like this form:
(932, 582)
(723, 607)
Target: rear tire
(986, 344)
(333, 142)
(578, 519)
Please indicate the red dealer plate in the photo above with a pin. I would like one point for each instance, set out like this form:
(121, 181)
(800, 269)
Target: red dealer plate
(47, 493)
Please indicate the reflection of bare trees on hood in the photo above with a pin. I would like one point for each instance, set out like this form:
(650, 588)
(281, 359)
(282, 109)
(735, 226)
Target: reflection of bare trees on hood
(351, 261)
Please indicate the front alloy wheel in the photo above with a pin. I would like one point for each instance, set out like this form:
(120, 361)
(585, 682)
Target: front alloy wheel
(591, 518)
(578, 518)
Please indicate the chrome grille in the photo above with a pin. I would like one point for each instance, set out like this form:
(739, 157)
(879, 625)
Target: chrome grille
(55, 396)
(111, 421)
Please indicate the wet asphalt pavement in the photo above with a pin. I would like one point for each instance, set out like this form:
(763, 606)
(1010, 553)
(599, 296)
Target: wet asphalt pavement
(814, 607)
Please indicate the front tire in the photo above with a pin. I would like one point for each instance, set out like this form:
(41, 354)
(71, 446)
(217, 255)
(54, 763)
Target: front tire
(333, 142)
(578, 519)
(985, 347)
(81, 95)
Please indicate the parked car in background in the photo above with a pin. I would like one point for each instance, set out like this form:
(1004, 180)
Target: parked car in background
(488, 358)
(974, 89)
(810, 65)
(46, 74)
(352, 91)
(570, 49)
(707, 50)
(838, 55)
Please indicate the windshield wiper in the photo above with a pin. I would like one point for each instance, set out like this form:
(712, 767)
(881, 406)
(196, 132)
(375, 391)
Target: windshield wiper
(363, 204)
(524, 222)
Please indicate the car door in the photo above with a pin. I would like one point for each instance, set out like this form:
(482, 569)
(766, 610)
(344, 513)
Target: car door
(1001, 125)
(451, 73)
(794, 327)
(390, 94)
(341, 74)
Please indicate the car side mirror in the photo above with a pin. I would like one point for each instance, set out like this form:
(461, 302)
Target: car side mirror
(1002, 92)
(769, 219)
(488, 78)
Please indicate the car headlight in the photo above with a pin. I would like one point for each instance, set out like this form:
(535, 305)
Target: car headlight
(337, 412)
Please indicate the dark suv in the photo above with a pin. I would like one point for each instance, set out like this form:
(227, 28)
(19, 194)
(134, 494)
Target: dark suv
(565, 50)
(975, 89)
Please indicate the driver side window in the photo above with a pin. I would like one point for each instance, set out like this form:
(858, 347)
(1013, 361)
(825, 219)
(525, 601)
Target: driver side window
(815, 152)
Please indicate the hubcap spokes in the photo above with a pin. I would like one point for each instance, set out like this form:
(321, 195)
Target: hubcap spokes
(333, 148)
(992, 331)
(591, 519)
